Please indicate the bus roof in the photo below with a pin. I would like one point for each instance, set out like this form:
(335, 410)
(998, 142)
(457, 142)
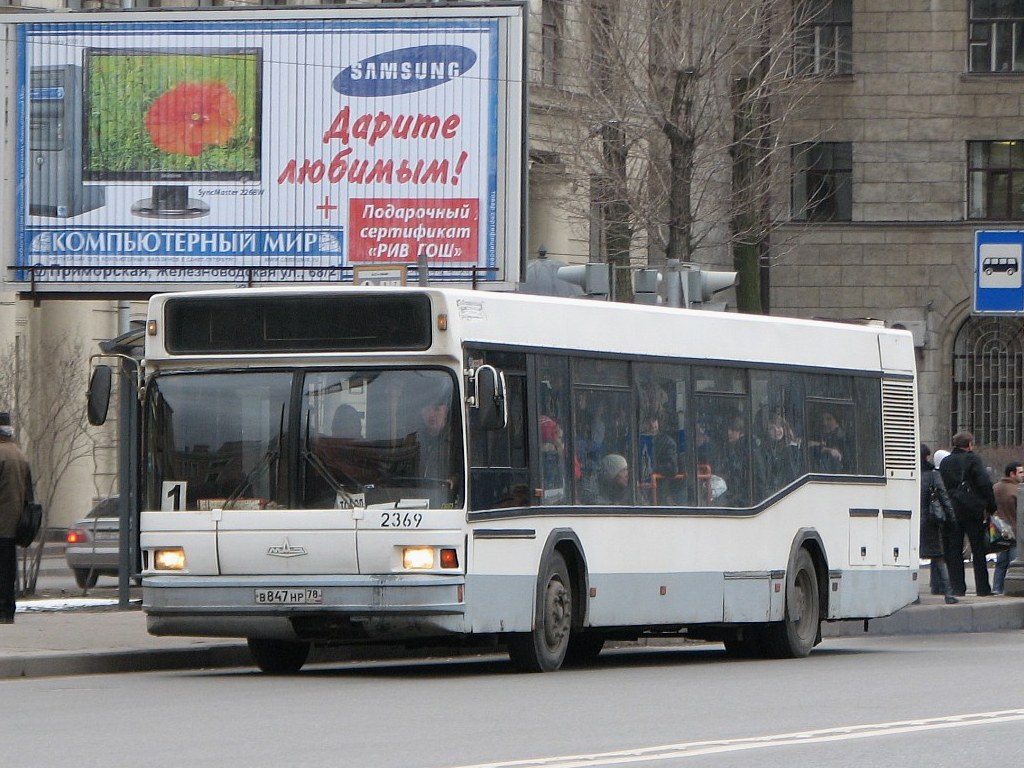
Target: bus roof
(523, 320)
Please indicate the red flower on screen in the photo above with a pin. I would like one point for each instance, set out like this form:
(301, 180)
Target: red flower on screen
(191, 116)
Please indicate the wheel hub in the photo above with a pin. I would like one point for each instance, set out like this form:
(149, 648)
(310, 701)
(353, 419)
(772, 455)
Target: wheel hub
(558, 614)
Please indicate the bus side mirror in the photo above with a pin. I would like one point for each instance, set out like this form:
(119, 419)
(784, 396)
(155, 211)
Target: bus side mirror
(99, 395)
(489, 397)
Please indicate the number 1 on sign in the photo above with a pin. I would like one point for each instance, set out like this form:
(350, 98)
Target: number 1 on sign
(172, 496)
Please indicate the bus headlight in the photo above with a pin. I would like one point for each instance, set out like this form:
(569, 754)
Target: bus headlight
(417, 558)
(172, 559)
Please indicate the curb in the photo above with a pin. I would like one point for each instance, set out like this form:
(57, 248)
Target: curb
(994, 615)
(199, 657)
(112, 662)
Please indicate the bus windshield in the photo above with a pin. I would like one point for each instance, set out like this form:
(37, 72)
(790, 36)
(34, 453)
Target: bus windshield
(348, 439)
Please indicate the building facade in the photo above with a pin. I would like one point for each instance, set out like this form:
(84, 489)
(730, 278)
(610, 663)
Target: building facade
(918, 120)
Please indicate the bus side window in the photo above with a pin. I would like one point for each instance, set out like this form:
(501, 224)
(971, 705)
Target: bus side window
(552, 393)
(723, 436)
(662, 473)
(499, 474)
(777, 399)
(868, 434)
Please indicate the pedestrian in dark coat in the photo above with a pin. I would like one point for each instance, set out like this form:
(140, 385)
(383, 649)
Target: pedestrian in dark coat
(933, 491)
(965, 465)
(15, 482)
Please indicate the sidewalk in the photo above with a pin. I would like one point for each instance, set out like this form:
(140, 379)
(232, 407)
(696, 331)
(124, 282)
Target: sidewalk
(50, 637)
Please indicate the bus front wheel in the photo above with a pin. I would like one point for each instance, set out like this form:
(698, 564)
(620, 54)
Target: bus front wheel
(796, 634)
(544, 648)
(278, 657)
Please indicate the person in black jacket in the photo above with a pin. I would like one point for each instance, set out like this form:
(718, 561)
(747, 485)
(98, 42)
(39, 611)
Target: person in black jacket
(965, 465)
(933, 491)
(15, 489)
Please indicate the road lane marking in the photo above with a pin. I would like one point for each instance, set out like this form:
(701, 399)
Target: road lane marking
(717, 746)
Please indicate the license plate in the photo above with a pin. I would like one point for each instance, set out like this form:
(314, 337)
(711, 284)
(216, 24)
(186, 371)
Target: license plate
(306, 596)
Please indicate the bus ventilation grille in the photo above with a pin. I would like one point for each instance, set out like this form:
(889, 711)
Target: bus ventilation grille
(898, 418)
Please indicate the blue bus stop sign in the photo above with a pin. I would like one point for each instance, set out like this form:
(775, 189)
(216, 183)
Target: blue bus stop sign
(998, 256)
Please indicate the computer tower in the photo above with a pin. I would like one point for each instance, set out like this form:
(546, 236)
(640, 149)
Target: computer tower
(55, 144)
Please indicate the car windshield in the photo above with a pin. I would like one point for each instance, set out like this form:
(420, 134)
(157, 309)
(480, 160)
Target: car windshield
(348, 439)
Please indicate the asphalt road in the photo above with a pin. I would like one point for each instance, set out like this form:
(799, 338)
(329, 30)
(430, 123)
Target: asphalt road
(894, 701)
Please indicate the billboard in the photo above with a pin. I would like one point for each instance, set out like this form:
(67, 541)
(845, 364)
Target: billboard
(217, 147)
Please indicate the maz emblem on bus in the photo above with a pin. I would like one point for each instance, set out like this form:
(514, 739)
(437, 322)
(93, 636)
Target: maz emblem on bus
(286, 550)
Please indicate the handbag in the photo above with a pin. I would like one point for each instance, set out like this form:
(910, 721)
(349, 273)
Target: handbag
(935, 511)
(28, 524)
(999, 536)
(968, 501)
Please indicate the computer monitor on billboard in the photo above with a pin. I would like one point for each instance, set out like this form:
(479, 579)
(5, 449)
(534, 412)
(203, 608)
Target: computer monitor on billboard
(168, 117)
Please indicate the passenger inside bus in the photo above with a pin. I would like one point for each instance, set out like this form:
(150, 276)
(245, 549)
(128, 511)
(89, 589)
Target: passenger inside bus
(776, 457)
(435, 440)
(610, 485)
(340, 465)
(346, 424)
(828, 447)
(733, 465)
(659, 462)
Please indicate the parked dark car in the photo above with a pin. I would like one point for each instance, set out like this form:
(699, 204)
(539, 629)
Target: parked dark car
(92, 543)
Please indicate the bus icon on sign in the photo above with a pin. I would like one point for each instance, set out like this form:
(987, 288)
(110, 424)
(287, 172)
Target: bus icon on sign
(1007, 264)
(998, 265)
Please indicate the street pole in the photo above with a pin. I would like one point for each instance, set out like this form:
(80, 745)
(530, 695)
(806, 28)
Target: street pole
(126, 467)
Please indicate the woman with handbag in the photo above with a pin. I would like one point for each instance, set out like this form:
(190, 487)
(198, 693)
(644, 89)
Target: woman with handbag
(936, 510)
(15, 480)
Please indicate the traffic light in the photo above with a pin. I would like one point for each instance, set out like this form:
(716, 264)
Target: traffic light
(591, 277)
(702, 284)
(645, 286)
(691, 286)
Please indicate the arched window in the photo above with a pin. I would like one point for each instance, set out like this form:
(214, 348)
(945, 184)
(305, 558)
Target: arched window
(988, 381)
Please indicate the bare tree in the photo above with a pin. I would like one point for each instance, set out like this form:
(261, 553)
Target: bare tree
(679, 108)
(47, 405)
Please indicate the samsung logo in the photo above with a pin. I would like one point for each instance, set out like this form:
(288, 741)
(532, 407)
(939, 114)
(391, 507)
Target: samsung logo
(405, 70)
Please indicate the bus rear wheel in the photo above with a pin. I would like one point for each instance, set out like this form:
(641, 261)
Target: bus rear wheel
(797, 633)
(544, 648)
(278, 657)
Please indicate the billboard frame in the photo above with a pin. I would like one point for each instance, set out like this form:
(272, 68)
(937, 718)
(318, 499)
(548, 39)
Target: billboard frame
(96, 275)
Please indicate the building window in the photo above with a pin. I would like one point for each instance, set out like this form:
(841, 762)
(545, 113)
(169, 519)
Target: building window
(824, 37)
(823, 182)
(997, 36)
(995, 172)
(988, 382)
(552, 23)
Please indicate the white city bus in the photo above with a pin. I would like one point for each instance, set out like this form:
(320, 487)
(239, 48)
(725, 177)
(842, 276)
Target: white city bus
(338, 465)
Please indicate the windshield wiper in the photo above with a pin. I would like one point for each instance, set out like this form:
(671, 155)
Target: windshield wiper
(338, 486)
(314, 460)
(272, 454)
